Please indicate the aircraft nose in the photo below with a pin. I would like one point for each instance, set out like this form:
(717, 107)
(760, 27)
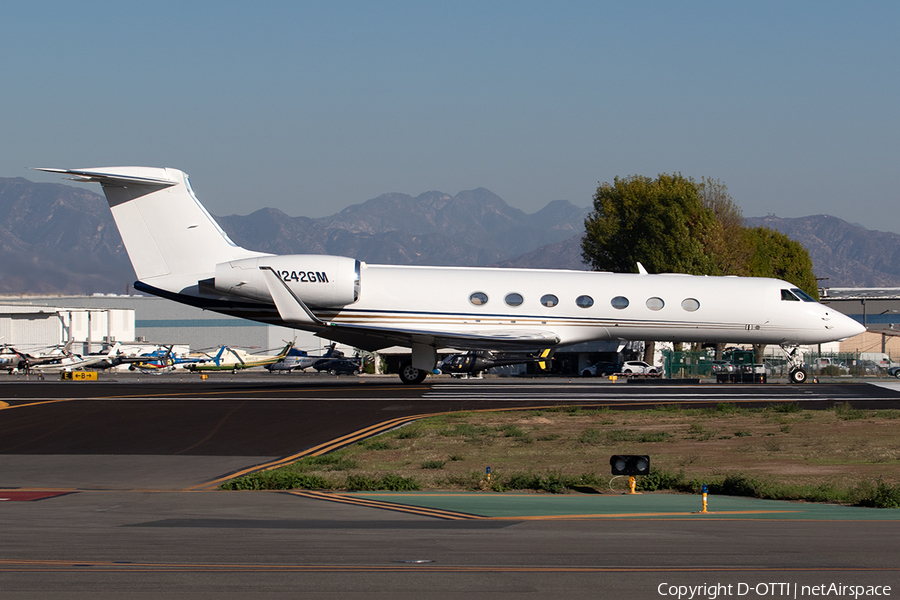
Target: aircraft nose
(845, 327)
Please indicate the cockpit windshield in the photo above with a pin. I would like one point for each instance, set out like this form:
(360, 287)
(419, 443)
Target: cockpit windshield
(787, 295)
(803, 295)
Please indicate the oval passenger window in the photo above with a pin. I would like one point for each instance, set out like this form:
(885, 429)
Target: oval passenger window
(584, 301)
(655, 303)
(514, 299)
(619, 302)
(478, 298)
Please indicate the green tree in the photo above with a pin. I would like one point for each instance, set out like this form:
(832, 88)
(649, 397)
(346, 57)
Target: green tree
(728, 248)
(774, 254)
(660, 223)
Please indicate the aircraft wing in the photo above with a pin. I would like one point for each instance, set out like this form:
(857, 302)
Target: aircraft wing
(373, 337)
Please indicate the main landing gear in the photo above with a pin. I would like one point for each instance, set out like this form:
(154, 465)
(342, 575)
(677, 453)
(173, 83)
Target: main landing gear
(796, 373)
(410, 374)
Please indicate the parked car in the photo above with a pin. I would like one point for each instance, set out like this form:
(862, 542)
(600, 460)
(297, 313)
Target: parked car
(639, 367)
(601, 369)
(894, 372)
(722, 366)
(830, 366)
(865, 367)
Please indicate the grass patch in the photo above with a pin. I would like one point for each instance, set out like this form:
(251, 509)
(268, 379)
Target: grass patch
(846, 413)
(407, 433)
(390, 483)
(513, 431)
(591, 436)
(700, 432)
(376, 444)
(328, 462)
(278, 480)
(781, 451)
(466, 430)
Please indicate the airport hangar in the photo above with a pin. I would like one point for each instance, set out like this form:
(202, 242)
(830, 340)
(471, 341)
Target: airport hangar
(32, 323)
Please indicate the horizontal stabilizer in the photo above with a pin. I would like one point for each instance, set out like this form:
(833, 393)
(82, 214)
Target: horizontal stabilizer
(110, 178)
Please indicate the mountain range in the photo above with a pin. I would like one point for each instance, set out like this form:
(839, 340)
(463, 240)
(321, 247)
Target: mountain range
(56, 238)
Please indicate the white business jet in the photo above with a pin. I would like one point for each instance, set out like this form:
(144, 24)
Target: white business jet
(179, 252)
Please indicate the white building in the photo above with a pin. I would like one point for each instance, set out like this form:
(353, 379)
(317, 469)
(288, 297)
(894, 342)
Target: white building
(35, 327)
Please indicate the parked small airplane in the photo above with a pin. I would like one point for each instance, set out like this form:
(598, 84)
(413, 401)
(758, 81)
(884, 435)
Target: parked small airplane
(179, 252)
(230, 359)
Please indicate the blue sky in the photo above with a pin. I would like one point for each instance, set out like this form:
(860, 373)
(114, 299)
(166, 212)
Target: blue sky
(311, 107)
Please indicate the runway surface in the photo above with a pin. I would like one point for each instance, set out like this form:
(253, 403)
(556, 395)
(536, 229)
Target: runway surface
(130, 460)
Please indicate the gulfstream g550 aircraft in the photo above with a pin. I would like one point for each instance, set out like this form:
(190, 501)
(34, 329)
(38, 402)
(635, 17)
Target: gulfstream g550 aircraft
(179, 252)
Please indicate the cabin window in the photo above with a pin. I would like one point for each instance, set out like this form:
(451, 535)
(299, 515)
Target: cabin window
(478, 298)
(787, 295)
(655, 303)
(514, 299)
(584, 301)
(690, 304)
(803, 295)
(619, 302)
(549, 300)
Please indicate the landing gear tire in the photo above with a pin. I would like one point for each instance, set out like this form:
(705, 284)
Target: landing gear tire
(797, 375)
(410, 375)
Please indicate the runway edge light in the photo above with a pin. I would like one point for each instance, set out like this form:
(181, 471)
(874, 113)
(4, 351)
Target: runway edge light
(631, 465)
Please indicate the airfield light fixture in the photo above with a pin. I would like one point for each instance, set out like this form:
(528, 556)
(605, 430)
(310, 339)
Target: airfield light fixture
(631, 465)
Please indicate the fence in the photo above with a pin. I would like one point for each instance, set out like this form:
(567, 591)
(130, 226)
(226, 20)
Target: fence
(693, 364)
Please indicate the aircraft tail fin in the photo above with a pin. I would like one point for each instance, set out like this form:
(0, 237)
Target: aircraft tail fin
(113, 350)
(166, 231)
(218, 359)
(285, 351)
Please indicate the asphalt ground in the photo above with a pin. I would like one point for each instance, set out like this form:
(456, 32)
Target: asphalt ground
(106, 485)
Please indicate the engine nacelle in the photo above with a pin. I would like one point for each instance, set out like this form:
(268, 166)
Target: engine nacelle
(319, 280)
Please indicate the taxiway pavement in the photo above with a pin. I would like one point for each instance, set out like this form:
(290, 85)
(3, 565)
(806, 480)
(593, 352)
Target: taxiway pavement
(131, 459)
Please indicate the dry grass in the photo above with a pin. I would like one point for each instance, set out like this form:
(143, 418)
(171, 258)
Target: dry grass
(839, 447)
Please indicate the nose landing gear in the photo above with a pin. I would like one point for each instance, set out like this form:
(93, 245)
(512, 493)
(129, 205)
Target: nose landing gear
(796, 374)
